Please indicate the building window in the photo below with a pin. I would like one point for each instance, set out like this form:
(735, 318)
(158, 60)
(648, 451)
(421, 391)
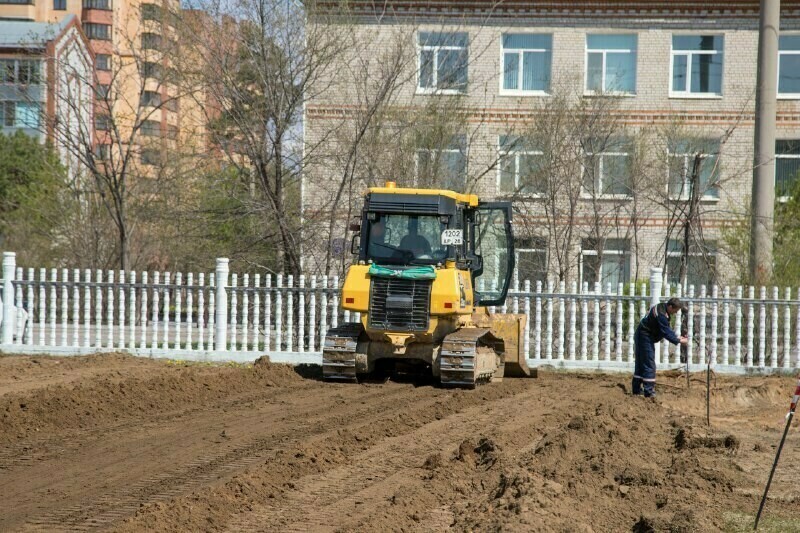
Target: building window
(59, 5)
(97, 31)
(150, 98)
(149, 156)
(787, 167)
(151, 70)
(694, 161)
(445, 167)
(22, 71)
(696, 65)
(29, 71)
(151, 12)
(151, 128)
(151, 41)
(607, 167)
(17, 2)
(97, 4)
(102, 152)
(527, 60)
(611, 63)
(7, 110)
(8, 71)
(443, 59)
(701, 262)
(172, 131)
(789, 65)
(21, 114)
(171, 104)
(103, 91)
(608, 264)
(520, 169)
(531, 260)
(102, 122)
(102, 62)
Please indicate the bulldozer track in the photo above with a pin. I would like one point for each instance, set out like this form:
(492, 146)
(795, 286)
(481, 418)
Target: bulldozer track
(30, 451)
(337, 498)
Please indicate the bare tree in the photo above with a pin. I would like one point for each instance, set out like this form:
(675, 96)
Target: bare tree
(130, 156)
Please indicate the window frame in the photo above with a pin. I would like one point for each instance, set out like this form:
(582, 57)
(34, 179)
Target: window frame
(107, 65)
(151, 11)
(5, 114)
(676, 254)
(150, 157)
(152, 41)
(526, 248)
(599, 179)
(89, 29)
(786, 96)
(104, 120)
(435, 49)
(606, 252)
(456, 148)
(689, 53)
(34, 75)
(521, 55)
(604, 51)
(100, 5)
(783, 198)
(150, 128)
(684, 196)
(102, 91)
(505, 152)
(148, 97)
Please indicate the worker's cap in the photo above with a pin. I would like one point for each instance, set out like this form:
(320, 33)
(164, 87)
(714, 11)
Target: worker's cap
(677, 302)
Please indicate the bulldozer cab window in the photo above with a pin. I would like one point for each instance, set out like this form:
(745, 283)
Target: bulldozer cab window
(406, 240)
(493, 242)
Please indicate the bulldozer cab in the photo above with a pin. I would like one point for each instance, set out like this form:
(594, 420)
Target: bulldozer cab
(441, 228)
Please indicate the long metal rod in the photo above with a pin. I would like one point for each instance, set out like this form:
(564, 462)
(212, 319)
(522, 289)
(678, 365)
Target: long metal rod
(774, 465)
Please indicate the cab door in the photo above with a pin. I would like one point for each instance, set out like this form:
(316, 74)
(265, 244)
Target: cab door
(492, 241)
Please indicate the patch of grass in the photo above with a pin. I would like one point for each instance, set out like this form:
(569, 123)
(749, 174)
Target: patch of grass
(736, 522)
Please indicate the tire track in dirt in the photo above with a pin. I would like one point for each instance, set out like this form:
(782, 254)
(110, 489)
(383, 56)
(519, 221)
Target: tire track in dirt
(208, 468)
(29, 451)
(342, 496)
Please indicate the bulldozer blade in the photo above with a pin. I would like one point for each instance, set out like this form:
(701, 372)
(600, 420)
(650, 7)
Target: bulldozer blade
(511, 330)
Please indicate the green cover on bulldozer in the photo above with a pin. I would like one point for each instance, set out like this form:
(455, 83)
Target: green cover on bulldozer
(420, 272)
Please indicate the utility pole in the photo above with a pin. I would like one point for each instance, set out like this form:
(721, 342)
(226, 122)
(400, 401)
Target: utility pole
(763, 191)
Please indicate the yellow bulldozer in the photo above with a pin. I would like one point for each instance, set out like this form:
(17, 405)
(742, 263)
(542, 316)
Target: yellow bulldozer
(429, 263)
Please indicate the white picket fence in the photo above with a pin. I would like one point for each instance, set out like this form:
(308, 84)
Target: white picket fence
(228, 316)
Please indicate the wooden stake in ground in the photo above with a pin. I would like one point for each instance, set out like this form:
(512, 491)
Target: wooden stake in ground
(789, 417)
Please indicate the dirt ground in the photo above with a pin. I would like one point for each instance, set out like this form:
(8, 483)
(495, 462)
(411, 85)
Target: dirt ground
(110, 442)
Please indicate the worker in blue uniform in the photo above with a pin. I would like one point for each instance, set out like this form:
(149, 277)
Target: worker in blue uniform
(653, 327)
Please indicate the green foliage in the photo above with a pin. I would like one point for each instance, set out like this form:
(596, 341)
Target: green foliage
(786, 247)
(786, 244)
(33, 193)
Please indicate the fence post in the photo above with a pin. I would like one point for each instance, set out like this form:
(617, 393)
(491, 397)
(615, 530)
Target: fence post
(656, 281)
(9, 316)
(221, 312)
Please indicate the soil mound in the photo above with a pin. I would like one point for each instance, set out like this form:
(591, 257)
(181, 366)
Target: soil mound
(125, 394)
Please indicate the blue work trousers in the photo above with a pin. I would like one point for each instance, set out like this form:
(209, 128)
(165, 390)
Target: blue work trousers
(644, 372)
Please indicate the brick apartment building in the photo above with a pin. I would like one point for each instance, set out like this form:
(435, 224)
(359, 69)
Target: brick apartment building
(134, 46)
(670, 68)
